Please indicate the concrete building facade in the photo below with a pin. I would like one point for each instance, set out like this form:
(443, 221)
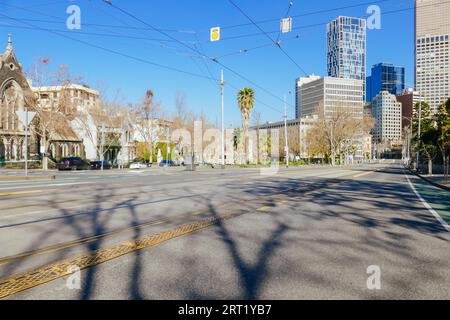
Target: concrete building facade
(387, 112)
(432, 65)
(331, 94)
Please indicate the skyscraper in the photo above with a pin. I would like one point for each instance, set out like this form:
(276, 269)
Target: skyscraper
(346, 48)
(387, 112)
(385, 77)
(432, 74)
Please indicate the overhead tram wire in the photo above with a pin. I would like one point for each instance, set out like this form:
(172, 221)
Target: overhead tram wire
(323, 23)
(313, 13)
(198, 31)
(111, 50)
(193, 49)
(262, 30)
(35, 27)
(27, 9)
(162, 45)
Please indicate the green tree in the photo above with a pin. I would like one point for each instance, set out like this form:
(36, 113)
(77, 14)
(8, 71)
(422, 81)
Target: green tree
(246, 102)
(427, 141)
(443, 132)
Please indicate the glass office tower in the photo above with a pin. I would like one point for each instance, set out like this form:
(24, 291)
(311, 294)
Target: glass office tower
(385, 77)
(346, 48)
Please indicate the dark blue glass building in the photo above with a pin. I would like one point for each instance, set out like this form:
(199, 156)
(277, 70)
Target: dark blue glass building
(385, 77)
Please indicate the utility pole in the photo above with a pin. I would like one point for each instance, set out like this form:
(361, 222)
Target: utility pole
(102, 156)
(418, 133)
(222, 86)
(286, 147)
(332, 147)
(26, 141)
(168, 147)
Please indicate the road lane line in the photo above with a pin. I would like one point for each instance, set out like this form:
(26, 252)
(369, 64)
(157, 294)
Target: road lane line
(48, 185)
(18, 193)
(263, 209)
(427, 205)
(362, 174)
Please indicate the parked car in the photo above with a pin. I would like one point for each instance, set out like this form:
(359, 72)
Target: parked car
(97, 165)
(72, 163)
(139, 165)
(167, 163)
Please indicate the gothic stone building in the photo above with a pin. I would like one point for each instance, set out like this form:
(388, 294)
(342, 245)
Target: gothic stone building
(16, 94)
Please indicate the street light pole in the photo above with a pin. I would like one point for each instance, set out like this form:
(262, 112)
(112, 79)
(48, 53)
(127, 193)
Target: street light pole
(286, 147)
(222, 86)
(26, 141)
(102, 156)
(418, 133)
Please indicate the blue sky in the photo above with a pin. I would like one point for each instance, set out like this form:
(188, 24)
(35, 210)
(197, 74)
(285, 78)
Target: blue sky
(189, 21)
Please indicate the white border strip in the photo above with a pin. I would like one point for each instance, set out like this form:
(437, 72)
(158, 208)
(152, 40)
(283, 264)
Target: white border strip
(435, 214)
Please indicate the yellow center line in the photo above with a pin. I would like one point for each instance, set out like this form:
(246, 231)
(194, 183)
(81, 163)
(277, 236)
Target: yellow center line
(362, 174)
(18, 193)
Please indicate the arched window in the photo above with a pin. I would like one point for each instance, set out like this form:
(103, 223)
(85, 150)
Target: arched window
(52, 151)
(76, 150)
(11, 100)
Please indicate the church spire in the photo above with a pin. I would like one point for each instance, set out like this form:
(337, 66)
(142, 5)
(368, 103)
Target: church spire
(9, 47)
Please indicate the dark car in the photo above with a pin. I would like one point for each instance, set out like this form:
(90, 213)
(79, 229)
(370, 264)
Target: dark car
(72, 163)
(97, 165)
(167, 163)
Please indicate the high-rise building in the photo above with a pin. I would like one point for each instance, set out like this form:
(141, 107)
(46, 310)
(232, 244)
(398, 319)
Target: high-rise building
(432, 74)
(346, 48)
(408, 98)
(385, 77)
(387, 112)
(298, 84)
(331, 94)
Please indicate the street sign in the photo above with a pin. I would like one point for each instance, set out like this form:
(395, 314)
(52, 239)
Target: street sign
(215, 34)
(286, 25)
(22, 115)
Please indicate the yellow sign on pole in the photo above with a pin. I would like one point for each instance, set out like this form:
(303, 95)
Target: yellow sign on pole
(215, 34)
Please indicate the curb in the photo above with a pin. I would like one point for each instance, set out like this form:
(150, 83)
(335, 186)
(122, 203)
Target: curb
(430, 181)
(12, 178)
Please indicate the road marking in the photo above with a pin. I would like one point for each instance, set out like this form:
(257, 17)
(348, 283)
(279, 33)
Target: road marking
(60, 269)
(18, 193)
(427, 205)
(263, 208)
(48, 185)
(362, 174)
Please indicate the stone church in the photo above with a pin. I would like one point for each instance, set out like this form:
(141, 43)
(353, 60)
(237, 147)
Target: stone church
(16, 94)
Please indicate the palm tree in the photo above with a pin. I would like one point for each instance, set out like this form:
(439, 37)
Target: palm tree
(246, 102)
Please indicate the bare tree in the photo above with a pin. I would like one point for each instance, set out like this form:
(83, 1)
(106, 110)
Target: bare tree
(145, 115)
(50, 112)
(331, 133)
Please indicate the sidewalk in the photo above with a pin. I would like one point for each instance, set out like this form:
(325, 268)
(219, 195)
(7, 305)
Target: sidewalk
(438, 180)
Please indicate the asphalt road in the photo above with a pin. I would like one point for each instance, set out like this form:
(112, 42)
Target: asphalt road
(303, 233)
